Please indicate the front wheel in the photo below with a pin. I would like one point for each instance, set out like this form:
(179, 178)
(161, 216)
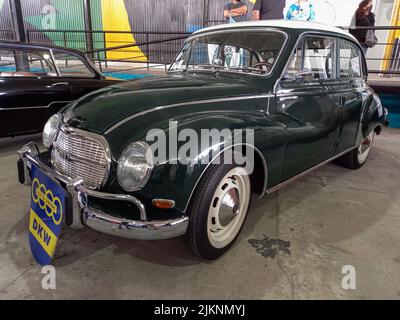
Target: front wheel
(218, 210)
(356, 158)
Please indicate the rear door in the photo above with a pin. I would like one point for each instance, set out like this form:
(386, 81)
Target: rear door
(354, 90)
(309, 103)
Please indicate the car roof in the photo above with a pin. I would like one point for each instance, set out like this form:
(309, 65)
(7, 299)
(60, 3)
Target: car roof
(280, 24)
(37, 46)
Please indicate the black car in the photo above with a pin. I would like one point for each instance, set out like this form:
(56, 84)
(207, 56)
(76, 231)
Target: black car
(36, 81)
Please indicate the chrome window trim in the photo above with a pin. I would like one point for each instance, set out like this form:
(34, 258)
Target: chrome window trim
(92, 136)
(84, 62)
(301, 38)
(55, 63)
(181, 104)
(313, 33)
(250, 29)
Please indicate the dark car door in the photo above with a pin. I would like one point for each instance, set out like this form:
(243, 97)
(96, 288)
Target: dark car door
(309, 103)
(30, 90)
(354, 88)
(34, 84)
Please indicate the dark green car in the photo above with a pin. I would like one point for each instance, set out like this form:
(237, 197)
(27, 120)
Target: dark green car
(294, 95)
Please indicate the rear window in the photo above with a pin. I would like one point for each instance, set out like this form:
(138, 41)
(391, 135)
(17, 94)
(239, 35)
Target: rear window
(26, 63)
(350, 60)
(7, 62)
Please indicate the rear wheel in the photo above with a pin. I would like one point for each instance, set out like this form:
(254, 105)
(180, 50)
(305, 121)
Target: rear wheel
(356, 158)
(218, 210)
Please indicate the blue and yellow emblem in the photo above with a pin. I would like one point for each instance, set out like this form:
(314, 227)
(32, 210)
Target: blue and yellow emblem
(46, 216)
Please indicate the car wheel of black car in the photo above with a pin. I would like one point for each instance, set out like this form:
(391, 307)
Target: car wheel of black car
(356, 158)
(218, 210)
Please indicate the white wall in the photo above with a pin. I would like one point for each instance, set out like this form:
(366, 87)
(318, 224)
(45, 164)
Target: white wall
(334, 12)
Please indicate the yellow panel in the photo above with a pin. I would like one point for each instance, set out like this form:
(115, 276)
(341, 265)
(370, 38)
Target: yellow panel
(46, 238)
(115, 18)
(393, 34)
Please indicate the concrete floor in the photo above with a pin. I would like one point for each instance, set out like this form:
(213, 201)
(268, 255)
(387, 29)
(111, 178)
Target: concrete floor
(332, 218)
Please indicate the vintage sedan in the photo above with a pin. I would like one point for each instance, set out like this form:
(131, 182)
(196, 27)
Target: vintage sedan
(301, 89)
(37, 81)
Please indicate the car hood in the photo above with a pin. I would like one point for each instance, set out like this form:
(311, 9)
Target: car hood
(102, 109)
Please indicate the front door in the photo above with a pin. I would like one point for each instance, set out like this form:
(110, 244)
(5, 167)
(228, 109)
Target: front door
(309, 103)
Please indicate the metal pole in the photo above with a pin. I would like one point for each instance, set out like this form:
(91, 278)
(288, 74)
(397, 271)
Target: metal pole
(21, 58)
(105, 53)
(206, 13)
(147, 50)
(88, 28)
(18, 21)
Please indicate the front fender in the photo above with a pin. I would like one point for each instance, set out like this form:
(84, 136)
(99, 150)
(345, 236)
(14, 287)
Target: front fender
(177, 181)
(177, 177)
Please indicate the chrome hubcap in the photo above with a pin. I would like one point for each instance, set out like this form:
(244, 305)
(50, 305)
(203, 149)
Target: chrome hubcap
(228, 207)
(365, 148)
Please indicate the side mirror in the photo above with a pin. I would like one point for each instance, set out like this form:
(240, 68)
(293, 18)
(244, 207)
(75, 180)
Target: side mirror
(305, 75)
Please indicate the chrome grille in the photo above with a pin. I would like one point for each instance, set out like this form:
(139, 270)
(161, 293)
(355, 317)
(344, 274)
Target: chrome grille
(79, 154)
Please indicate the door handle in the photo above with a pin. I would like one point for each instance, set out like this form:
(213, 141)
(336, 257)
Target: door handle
(60, 84)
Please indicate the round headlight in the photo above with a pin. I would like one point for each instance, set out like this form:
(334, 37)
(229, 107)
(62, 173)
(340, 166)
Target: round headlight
(135, 166)
(50, 130)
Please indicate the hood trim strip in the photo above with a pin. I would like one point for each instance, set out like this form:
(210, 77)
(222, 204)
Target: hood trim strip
(136, 115)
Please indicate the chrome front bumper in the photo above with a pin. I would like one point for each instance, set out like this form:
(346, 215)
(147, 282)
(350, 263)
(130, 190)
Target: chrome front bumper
(83, 214)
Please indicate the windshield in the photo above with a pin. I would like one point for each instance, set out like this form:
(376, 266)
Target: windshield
(249, 52)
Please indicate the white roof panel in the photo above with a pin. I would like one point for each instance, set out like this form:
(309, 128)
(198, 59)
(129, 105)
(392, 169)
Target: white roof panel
(291, 24)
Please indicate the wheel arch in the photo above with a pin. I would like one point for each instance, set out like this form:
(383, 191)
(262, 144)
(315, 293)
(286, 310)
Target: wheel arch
(259, 176)
(373, 116)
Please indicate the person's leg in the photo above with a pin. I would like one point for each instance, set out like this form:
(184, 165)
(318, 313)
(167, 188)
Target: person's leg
(365, 48)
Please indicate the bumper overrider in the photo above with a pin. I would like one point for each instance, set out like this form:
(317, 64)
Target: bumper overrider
(84, 215)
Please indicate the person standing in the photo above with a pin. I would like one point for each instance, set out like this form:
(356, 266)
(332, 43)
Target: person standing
(268, 9)
(364, 18)
(301, 10)
(235, 11)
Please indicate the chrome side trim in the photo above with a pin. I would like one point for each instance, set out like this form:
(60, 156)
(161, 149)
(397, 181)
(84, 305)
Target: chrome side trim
(206, 101)
(304, 173)
(231, 146)
(36, 107)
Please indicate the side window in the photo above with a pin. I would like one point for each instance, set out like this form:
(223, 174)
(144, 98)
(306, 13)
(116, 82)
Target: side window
(350, 60)
(26, 63)
(316, 55)
(7, 63)
(295, 63)
(40, 63)
(71, 66)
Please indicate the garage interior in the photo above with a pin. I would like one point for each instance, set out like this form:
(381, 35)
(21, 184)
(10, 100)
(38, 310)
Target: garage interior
(295, 241)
